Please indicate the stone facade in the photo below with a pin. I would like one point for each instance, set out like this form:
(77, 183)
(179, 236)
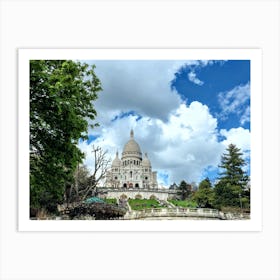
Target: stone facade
(131, 171)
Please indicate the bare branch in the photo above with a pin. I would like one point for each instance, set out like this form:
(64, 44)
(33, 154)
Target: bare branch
(101, 166)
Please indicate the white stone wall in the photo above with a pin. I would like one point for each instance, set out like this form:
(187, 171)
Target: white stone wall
(133, 193)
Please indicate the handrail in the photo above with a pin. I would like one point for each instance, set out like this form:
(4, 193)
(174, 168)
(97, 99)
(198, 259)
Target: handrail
(179, 212)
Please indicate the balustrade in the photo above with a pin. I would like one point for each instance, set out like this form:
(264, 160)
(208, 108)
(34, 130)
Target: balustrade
(174, 212)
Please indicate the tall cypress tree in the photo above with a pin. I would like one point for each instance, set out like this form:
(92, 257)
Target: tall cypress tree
(231, 187)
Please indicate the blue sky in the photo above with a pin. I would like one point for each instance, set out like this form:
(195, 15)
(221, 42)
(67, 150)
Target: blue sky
(207, 84)
(184, 113)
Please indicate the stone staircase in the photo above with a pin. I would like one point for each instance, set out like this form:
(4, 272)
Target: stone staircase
(166, 203)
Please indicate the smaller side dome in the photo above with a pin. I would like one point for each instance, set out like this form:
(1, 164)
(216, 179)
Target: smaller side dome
(116, 162)
(146, 162)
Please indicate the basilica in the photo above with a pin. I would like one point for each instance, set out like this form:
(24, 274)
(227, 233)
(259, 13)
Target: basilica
(132, 170)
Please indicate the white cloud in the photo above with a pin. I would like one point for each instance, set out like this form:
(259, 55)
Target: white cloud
(233, 101)
(241, 138)
(246, 116)
(237, 136)
(181, 140)
(192, 77)
(196, 65)
(182, 147)
(140, 86)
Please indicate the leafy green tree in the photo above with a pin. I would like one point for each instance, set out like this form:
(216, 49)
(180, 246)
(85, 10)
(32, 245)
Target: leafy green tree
(61, 104)
(204, 196)
(184, 190)
(231, 188)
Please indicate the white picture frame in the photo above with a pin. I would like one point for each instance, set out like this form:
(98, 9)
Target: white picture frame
(252, 224)
(188, 24)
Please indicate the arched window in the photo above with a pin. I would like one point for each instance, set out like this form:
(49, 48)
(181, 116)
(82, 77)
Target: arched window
(130, 174)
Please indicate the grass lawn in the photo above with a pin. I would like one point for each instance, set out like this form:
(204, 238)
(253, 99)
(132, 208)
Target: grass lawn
(183, 203)
(140, 204)
(111, 200)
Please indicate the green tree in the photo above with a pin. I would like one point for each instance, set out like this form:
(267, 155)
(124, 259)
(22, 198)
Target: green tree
(61, 104)
(184, 190)
(204, 196)
(231, 188)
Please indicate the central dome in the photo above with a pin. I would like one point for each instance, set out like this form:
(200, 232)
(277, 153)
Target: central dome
(131, 148)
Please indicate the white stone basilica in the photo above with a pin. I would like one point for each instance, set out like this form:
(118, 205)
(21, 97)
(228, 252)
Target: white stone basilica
(131, 171)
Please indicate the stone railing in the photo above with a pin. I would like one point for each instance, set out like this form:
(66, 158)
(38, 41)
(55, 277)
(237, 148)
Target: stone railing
(174, 212)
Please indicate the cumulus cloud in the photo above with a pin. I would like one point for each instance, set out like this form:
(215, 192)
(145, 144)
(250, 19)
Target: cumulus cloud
(142, 86)
(241, 138)
(180, 148)
(181, 139)
(238, 136)
(139, 86)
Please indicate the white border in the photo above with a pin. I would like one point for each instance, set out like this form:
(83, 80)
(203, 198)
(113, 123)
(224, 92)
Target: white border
(254, 224)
